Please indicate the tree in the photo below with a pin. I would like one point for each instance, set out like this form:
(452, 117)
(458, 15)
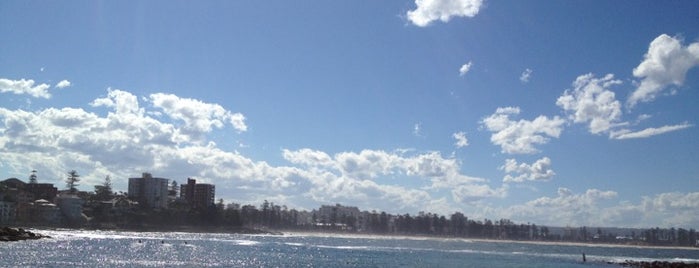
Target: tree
(173, 188)
(104, 191)
(32, 177)
(72, 181)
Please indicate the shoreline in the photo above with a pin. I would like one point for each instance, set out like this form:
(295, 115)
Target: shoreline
(534, 242)
(264, 231)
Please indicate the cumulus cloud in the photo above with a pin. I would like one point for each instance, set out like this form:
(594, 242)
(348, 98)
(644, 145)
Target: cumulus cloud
(591, 101)
(428, 11)
(123, 102)
(63, 84)
(666, 63)
(461, 140)
(198, 116)
(126, 141)
(598, 208)
(671, 209)
(566, 208)
(524, 77)
(648, 132)
(129, 140)
(540, 170)
(465, 68)
(24, 86)
(519, 137)
(351, 171)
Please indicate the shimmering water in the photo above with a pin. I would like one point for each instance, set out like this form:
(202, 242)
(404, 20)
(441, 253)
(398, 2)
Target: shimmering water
(70, 248)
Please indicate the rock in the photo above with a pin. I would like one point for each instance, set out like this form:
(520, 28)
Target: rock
(658, 264)
(8, 234)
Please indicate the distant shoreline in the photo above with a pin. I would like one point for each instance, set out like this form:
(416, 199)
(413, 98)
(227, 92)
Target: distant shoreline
(534, 242)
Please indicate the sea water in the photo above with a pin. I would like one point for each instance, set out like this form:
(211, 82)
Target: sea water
(77, 248)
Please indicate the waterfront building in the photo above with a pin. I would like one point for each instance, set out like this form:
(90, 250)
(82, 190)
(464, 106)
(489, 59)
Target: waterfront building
(42, 190)
(7, 212)
(44, 212)
(71, 207)
(149, 191)
(198, 195)
(14, 190)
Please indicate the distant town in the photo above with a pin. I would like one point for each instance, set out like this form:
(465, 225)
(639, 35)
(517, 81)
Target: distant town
(158, 204)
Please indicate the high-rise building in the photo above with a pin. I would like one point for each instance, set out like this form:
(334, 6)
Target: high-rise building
(149, 191)
(198, 195)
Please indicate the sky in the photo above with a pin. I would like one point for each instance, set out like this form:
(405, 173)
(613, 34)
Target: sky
(564, 113)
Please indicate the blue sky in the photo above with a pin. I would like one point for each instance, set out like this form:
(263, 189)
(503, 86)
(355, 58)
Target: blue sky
(559, 113)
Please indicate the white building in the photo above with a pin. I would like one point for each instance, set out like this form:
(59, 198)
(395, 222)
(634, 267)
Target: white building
(71, 206)
(149, 191)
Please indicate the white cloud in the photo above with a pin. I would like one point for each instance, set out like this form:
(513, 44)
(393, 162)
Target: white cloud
(471, 193)
(24, 86)
(465, 68)
(347, 171)
(63, 84)
(666, 63)
(123, 102)
(461, 140)
(128, 141)
(428, 11)
(198, 117)
(540, 170)
(598, 208)
(417, 129)
(524, 77)
(567, 208)
(648, 132)
(591, 101)
(671, 209)
(519, 137)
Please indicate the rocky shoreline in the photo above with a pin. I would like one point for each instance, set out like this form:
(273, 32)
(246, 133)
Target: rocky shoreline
(657, 264)
(8, 234)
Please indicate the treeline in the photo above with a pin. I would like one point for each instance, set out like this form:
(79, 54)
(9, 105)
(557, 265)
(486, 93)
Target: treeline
(269, 216)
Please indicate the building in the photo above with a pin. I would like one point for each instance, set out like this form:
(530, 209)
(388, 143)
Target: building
(44, 212)
(71, 207)
(14, 191)
(42, 190)
(7, 212)
(198, 195)
(149, 191)
(339, 215)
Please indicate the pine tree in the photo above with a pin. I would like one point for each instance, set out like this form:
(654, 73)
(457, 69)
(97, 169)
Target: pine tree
(104, 191)
(72, 181)
(32, 177)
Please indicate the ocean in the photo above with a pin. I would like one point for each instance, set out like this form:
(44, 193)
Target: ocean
(81, 248)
